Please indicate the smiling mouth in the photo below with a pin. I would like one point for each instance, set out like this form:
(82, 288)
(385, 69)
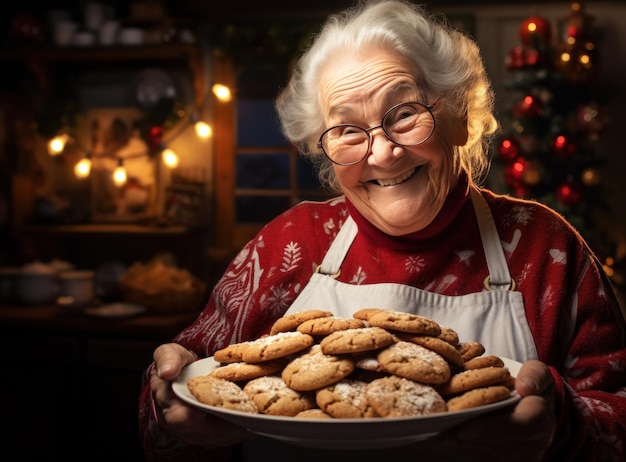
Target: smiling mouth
(397, 180)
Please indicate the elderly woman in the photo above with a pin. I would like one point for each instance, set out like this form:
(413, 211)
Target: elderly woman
(396, 110)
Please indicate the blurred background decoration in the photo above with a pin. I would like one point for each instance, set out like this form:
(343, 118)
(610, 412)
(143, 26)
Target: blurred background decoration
(558, 111)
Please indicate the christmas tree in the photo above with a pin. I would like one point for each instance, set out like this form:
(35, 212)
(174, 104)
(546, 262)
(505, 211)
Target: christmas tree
(548, 151)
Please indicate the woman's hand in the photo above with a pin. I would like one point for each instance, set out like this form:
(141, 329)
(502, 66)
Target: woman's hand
(522, 435)
(180, 420)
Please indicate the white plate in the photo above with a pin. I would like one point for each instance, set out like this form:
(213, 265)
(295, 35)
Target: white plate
(115, 310)
(338, 433)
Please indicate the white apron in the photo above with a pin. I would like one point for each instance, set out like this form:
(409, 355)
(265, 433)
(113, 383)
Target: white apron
(493, 316)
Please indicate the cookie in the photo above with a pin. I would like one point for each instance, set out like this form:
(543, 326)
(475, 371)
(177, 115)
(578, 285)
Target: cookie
(365, 313)
(328, 325)
(368, 361)
(221, 393)
(315, 413)
(238, 372)
(404, 322)
(314, 369)
(399, 397)
(478, 397)
(293, 320)
(470, 349)
(449, 335)
(345, 399)
(414, 362)
(356, 340)
(483, 361)
(232, 353)
(276, 346)
(439, 346)
(272, 396)
(474, 378)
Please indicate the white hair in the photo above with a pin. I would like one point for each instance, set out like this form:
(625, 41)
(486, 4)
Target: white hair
(446, 62)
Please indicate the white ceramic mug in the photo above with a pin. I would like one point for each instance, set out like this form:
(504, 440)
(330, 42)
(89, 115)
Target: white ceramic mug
(36, 284)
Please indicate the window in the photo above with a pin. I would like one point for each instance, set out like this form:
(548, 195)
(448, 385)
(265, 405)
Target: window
(258, 174)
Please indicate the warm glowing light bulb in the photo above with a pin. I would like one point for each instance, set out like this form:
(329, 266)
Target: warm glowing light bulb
(203, 130)
(83, 168)
(170, 158)
(119, 174)
(57, 144)
(222, 92)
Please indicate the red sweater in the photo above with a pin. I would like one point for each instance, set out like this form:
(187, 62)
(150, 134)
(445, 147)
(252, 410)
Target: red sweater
(576, 322)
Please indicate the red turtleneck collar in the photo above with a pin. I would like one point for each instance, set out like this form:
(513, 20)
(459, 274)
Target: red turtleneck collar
(456, 210)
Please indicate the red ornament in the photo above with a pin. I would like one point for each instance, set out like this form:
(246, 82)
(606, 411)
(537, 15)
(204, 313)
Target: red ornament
(532, 57)
(563, 147)
(535, 31)
(156, 136)
(570, 194)
(522, 57)
(528, 107)
(508, 150)
(516, 59)
(514, 173)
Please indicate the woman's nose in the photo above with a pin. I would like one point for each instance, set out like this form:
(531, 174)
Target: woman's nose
(383, 151)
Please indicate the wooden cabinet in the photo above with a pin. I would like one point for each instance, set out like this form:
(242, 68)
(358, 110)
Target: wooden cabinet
(48, 72)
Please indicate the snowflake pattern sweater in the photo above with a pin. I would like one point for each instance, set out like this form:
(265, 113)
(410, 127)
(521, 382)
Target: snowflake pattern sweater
(575, 320)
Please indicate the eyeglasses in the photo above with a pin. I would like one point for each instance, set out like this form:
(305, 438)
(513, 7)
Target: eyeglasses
(406, 124)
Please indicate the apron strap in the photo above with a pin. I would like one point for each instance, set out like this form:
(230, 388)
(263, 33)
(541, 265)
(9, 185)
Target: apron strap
(499, 276)
(331, 265)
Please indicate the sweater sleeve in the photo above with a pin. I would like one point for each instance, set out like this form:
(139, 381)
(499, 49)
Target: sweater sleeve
(591, 381)
(578, 328)
(257, 287)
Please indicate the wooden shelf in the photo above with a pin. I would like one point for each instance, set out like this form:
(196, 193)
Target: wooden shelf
(100, 54)
(39, 58)
(109, 229)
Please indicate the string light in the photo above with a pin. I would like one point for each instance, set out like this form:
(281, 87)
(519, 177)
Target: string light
(203, 130)
(119, 174)
(82, 169)
(170, 158)
(222, 92)
(57, 144)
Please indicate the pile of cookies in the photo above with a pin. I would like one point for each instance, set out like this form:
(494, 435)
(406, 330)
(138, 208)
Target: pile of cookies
(377, 364)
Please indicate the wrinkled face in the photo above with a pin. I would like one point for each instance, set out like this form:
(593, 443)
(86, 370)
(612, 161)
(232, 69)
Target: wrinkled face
(398, 189)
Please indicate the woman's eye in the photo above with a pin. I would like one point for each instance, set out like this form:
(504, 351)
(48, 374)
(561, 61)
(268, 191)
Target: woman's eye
(402, 114)
(351, 132)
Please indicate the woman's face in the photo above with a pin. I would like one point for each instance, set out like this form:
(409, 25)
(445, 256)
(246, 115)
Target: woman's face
(398, 189)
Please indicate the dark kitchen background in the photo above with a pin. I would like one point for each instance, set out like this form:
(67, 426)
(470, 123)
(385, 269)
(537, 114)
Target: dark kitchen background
(97, 269)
